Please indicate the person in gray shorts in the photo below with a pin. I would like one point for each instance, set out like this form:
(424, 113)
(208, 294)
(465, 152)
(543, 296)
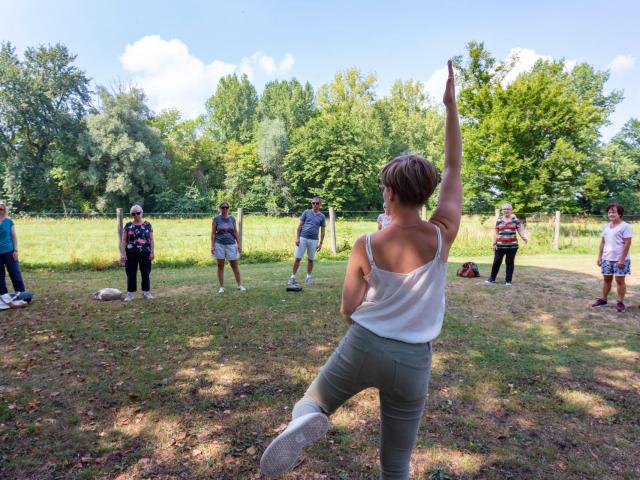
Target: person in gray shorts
(225, 244)
(311, 221)
(393, 299)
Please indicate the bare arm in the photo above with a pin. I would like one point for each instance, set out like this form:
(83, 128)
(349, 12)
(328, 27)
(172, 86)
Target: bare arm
(237, 235)
(448, 212)
(600, 251)
(213, 235)
(522, 234)
(355, 286)
(322, 232)
(298, 232)
(625, 251)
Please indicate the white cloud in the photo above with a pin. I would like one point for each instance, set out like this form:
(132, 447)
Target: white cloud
(436, 83)
(172, 77)
(622, 64)
(523, 59)
(261, 63)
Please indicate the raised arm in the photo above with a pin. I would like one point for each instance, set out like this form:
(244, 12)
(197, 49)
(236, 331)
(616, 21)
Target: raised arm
(449, 209)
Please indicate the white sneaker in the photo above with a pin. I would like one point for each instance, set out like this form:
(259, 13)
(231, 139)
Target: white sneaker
(242, 288)
(221, 290)
(6, 298)
(147, 295)
(308, 280)
(129, 297)
(489, 281)
(507, 284)
(292, 280)
(282, 453)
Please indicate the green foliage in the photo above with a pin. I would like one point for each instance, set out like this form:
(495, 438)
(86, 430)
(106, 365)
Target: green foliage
(195, 158)
(410, 122)
(43, 99)
(616, 176)
(532, 141)
(336, 157)
(231, 111)
(126, 155)
(287, 101)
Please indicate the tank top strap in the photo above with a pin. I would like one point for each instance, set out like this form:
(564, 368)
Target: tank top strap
(439, 235)
(369, 251)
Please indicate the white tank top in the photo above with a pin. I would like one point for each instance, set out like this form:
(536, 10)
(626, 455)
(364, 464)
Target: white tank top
(404, 306)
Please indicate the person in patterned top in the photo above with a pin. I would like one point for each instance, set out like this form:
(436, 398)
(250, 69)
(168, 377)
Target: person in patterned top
(137, 251)
(505, 243)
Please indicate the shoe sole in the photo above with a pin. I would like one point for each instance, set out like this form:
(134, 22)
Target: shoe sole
(282, 454)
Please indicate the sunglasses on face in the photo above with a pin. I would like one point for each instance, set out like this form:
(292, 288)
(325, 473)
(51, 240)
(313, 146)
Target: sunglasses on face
(136, 213)
(224, 207)
(315, 203)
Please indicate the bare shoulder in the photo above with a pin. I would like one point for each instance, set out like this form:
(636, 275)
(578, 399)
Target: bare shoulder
(448, 229)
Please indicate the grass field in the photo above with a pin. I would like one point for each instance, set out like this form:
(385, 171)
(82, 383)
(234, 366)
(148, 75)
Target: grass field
(92, 243)
(527, 383)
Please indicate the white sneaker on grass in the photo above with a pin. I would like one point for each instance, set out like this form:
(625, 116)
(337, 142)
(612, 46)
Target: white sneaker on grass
(507, 284)
(292, 280)
(221, 290)
(129, 297)
(6, 298)
(147, 295)
(308, 280)
(489, 281)
(282, 454)
(242, 288)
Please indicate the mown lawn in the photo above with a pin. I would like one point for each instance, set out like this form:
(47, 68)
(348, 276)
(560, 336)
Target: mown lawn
(528, 383)
(76, 244)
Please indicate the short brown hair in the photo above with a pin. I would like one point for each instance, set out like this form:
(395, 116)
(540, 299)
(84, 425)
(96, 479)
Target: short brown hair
(618, 208)
(411, 177)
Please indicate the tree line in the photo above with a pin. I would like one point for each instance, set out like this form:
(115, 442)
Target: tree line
(533, 141)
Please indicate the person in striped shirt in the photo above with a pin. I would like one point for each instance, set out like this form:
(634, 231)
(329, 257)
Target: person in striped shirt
(505, 243)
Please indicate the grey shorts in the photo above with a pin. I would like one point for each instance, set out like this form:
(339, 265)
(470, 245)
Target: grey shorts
(226, 252)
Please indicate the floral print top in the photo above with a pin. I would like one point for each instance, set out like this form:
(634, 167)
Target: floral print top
(138, 236)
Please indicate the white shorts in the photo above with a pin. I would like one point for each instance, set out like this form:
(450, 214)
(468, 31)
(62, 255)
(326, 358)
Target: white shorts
(308, 245)
(228, 252)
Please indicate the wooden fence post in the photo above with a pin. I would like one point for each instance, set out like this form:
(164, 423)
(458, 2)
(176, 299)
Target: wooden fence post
(556, 232)
(119, 220)
(332, 230)
(239, 220)
(497, 215)
(423, 213)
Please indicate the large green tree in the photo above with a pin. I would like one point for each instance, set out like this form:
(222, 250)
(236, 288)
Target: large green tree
(616, 175)
(43, 99)
(410, 122)
(288, 101)
(531, 141)
(231, 111)
(339, 151)
(126, 155)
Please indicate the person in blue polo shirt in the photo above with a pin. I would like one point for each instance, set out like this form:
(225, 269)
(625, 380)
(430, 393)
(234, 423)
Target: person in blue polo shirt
(311, 221)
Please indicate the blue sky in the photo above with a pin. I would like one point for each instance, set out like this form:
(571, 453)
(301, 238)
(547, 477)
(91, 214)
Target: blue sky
(177, 50)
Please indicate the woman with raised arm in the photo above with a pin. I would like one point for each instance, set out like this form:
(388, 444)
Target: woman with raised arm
(393, 299)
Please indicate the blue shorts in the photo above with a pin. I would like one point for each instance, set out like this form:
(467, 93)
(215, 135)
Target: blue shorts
(610, 267)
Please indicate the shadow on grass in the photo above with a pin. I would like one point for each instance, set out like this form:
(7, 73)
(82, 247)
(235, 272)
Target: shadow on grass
(527, 383)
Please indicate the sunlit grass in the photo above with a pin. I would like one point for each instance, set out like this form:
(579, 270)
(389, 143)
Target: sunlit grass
(93, 243)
